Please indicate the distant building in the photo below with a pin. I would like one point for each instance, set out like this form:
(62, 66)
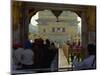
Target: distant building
(62, 31)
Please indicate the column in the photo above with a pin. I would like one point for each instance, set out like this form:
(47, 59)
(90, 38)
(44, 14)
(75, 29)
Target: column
(84, 33)
(24, 25)
(92, 37)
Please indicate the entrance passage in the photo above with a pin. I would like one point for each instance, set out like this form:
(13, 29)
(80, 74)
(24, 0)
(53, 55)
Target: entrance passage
(61, 30)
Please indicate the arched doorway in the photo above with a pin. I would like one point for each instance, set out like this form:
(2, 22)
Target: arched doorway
(81, 12)
(65, 28)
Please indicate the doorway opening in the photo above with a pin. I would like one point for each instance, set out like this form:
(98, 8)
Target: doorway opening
(62, 30)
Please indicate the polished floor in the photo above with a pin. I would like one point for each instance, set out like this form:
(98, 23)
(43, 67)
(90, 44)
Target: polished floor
(62, 59)
(63, 63)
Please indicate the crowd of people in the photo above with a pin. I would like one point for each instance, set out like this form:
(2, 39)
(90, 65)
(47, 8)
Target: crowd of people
(74, 51)
(42, 55)
(71, 49)
(39, 55)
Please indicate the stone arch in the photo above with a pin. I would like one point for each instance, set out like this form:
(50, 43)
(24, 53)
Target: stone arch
(80, 12)
(84, 12)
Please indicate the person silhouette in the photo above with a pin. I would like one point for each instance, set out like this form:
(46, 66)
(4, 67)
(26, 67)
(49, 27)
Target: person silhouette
(89, 62)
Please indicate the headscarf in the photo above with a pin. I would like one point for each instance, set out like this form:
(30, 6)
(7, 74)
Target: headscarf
(27, 44)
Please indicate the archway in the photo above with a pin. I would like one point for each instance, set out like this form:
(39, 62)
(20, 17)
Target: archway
(80, 11)
(28, 9)
(65, 28)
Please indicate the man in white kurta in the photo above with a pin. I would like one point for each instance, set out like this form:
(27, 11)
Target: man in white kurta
(27, 57)
(17, 57)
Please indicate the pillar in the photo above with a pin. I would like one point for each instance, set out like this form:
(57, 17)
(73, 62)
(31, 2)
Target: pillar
(24, 25)
(84, 33)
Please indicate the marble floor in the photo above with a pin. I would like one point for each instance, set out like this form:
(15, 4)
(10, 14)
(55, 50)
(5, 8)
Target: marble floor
(62, 60)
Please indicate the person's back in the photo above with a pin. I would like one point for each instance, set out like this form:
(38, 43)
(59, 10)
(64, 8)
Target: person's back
(17, 57)
(88, 63)
(51, 53)
(39, 52)
(17, 54)
(27, 58)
